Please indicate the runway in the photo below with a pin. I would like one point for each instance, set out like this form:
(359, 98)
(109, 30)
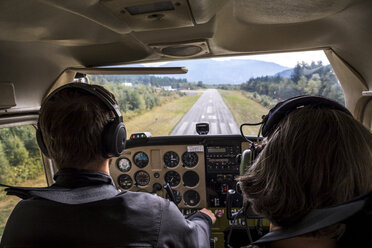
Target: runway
(209, 108)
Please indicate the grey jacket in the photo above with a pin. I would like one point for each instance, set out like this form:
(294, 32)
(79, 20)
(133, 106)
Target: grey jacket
(128, 219)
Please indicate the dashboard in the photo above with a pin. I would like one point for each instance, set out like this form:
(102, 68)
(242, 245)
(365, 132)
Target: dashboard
(199, 169)
(149, 168)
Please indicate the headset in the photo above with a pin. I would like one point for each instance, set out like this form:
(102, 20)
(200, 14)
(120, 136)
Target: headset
(269, 124)
(270, 121)
(114, 133)
(282, 109)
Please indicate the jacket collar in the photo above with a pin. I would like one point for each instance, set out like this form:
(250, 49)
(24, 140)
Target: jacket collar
(72, 178)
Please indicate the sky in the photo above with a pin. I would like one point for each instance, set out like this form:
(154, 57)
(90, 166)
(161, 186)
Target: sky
(285, 59)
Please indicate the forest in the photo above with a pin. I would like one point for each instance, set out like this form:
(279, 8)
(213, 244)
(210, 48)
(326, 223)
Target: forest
(19, 155)
(155, 81)
(135, 99)
(309, 79)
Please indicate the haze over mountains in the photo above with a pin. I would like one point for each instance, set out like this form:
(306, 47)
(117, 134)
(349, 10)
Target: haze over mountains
(226, 72)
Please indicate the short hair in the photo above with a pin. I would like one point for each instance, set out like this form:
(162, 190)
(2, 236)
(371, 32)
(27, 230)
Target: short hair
(72, 123)
(316, 158)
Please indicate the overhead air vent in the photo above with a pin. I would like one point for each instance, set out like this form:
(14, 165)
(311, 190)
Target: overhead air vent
(145, 15)
(183, 50)
(150, 8)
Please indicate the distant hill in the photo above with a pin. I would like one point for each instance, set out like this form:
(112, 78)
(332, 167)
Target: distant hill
(286, 73)
(236, 71)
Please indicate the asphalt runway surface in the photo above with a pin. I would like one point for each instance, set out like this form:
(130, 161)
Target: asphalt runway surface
(209, 108)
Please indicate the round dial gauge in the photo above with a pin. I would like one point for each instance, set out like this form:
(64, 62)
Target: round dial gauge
(171, 159)
(173, 178)
(177, 196)
(190, 179)
(141, 159)
(125, 181)
(142, 178)
(123, 164)
(191, 197)
(189, 159)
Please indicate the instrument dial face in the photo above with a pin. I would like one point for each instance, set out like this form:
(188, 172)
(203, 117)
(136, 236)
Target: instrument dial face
(142, 178)
(173, 178)
(140, 159)
(189, 159)
(177, 196)
(171, 159)
(125, 181)
(190, 179)
(123, 164)
(191, 197)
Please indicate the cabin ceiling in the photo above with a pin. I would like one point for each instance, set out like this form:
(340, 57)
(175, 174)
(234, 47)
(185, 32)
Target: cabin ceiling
(39, 39)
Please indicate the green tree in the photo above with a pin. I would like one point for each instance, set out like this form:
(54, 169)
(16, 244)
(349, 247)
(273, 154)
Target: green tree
(15, 151)
(297, 73)
(4, 164)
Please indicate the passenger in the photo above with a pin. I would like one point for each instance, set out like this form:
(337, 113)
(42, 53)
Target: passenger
(72, 122)
(317, 157)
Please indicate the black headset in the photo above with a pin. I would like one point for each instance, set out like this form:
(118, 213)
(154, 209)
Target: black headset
(282, 109)
(114, 133)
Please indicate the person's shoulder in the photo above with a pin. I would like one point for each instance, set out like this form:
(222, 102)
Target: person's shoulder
(139, 195)
(143, 199)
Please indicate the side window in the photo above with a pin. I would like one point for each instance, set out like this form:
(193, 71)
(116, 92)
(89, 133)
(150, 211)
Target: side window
(20, 165)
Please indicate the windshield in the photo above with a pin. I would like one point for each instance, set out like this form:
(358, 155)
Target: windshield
(223, 92)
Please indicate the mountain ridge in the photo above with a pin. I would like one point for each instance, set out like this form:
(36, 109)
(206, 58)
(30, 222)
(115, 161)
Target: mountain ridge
(236, 71)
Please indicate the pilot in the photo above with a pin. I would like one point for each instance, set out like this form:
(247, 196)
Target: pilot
(315, 158)
(83, 208)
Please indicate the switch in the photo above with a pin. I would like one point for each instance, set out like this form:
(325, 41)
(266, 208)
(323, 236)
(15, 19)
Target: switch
(224, 188)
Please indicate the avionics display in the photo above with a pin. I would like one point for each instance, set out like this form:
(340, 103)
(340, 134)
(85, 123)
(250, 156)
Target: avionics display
(222, 168)
(216, 149)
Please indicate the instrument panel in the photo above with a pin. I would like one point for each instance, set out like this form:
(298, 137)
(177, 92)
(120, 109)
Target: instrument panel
(200, 170)
(149, 168)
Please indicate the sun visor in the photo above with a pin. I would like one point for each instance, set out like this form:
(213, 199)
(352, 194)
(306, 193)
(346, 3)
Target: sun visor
(7, 96)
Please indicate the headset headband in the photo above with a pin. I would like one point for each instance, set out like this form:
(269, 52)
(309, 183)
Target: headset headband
(92, 90)
(283, 108)
(114, 132)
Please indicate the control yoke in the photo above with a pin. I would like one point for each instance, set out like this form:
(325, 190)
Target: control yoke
(169, 190)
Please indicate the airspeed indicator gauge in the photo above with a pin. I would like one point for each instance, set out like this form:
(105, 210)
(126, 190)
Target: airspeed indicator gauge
(123, 164)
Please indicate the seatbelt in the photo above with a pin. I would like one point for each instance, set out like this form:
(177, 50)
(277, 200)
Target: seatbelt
(71, 196)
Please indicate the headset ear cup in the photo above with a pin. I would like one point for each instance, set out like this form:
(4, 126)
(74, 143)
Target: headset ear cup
(114, 139)
(121, 138)
(40, 141)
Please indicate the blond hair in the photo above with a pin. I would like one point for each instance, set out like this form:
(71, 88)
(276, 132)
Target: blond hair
(317, 157)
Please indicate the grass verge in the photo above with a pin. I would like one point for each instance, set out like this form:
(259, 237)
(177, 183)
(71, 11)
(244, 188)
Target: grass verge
(161, 120)
(244, 109)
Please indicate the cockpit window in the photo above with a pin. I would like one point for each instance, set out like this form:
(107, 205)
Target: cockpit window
(223, 92)
(20, 165)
